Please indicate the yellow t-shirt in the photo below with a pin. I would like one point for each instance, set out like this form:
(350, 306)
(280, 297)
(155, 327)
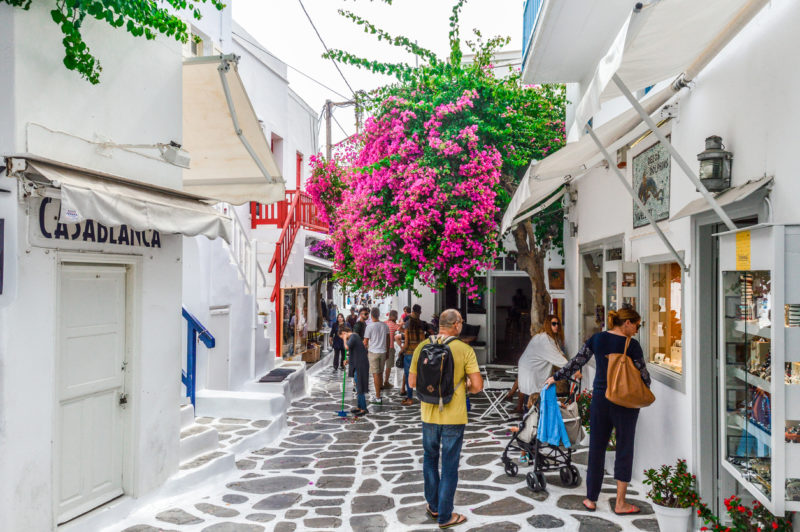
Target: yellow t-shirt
(464, 363)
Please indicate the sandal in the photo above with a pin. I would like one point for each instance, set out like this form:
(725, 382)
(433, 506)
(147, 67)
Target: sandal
(431, 513)
(633, 510)
(588, 508)
(459, 519)
(407, 402)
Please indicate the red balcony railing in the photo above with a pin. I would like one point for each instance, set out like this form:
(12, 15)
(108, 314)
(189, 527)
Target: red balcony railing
(276, 213)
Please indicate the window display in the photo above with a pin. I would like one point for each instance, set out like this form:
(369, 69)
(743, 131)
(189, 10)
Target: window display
(749, 372)
(664, 329)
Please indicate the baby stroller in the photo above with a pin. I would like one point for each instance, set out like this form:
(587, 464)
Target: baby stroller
(542, 456)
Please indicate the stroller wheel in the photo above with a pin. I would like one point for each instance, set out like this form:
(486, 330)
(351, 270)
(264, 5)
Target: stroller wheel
(566, 474)
(511, 469)
(576, 476)
(541, 479)
(533, 482)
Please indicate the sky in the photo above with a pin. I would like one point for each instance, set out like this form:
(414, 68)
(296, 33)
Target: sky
(283, 29)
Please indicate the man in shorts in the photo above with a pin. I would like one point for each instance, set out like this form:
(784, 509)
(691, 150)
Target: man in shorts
(376, 338)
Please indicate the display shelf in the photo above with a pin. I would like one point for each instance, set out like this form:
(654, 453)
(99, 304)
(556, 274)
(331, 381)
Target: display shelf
(751, 328)
(749, 378)
(739, 422)
(754, 489)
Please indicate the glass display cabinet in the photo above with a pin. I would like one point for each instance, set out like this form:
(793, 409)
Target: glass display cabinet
(621, 284)
(760, 362)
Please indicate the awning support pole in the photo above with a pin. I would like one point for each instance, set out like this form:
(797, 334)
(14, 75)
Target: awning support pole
(612, 164)
(223, 68)
(677, 156)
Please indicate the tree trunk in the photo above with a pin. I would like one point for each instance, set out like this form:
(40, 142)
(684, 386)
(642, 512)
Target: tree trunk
(530, 258)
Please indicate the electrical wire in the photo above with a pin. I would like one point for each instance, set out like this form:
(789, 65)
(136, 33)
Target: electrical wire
(340, 125)
(326, 47)
(261, 48)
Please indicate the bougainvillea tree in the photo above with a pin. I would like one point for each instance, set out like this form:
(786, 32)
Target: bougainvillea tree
(420, 192)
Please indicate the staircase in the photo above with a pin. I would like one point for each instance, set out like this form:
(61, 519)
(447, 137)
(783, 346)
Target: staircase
(295, 212)
(243, 251)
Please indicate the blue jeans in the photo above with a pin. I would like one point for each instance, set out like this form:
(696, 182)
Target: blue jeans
(406, 370)
(360, 394)
(440, 490)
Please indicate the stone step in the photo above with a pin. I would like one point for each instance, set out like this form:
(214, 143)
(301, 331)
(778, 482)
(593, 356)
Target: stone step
(202, 468)
(264, 436)
(187, 415)
(239, 404)
(197, 440)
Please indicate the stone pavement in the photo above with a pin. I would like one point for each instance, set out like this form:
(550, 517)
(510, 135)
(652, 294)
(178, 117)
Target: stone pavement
(366, 475)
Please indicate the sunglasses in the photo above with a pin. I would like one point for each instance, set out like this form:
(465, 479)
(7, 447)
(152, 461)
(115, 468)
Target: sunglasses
(639, 325)
(554, 323)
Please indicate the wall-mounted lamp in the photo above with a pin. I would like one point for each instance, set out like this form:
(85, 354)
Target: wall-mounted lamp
(715, 165)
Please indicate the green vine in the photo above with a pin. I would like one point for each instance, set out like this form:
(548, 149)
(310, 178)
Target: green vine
(140, 18)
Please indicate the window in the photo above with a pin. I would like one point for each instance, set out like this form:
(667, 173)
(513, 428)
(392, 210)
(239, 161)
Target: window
(663, 325)
(193, 47)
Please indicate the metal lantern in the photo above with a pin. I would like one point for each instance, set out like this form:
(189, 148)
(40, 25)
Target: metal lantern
(715, 165)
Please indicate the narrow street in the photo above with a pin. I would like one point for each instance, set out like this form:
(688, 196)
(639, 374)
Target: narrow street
(325, 472)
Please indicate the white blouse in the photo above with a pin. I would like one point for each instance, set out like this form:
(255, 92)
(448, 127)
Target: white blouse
(536, 363)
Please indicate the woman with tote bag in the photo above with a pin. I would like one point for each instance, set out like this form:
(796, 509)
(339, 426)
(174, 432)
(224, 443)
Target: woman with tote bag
(615, 344)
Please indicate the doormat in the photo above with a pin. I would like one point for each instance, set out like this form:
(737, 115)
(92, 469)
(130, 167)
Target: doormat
(276, 375)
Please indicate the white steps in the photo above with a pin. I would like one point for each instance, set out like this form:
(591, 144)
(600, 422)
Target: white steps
(196, 439)
(239, 404)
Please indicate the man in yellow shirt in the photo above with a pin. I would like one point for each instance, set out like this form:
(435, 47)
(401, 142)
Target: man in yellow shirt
(443, 430)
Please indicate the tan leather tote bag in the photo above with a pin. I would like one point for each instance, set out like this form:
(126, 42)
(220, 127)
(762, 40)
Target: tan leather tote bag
(625, 385)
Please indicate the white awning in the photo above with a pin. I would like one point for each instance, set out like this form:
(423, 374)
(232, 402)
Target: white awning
(726, 197)
(317, 262)
(575, 159)
(230, 167)
(666, 39)
(114, 201)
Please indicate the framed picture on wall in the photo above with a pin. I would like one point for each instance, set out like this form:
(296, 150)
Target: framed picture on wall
(651, 171)
(629, 279)
(556, 278)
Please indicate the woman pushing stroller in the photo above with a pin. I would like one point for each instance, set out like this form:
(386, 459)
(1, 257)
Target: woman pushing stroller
(605, 415)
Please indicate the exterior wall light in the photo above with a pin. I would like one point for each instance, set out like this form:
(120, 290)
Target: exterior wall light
(715, 165)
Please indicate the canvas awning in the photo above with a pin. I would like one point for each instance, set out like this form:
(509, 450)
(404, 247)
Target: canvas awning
(726, 197)
(317, 263)
(231, 159)
(664, 40)
(544, 177)
(114, 201)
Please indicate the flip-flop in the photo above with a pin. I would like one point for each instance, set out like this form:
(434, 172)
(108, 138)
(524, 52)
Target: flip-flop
(589, 509)
(460, 519)
(431, 514)
(633, 510)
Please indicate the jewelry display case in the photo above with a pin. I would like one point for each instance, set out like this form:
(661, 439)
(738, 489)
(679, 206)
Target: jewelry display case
(760, 362)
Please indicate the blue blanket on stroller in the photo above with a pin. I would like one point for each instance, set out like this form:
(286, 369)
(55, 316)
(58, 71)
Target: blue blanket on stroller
(551, 429)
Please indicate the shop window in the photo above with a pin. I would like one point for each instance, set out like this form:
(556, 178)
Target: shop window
(664, 321)
(593, 312)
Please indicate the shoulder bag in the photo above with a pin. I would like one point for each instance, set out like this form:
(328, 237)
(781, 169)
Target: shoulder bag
(625, 385)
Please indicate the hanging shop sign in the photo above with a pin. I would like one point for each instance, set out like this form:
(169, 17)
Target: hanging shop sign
(651, 170)
(47, 231)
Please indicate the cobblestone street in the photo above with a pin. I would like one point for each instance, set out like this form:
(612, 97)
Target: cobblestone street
(366, 475)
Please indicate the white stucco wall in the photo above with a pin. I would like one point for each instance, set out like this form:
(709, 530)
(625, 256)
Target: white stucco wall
(137, 102)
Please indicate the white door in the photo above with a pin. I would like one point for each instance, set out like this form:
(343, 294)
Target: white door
(219, 358)
(90, 384)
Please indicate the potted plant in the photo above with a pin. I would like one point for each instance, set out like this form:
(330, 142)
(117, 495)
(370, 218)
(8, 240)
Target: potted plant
(673, 495)
(743, 518)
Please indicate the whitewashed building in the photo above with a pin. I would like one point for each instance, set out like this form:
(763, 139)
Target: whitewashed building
(110, 247)
(697, 72)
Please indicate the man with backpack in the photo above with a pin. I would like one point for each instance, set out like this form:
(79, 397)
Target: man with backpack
(443, 370)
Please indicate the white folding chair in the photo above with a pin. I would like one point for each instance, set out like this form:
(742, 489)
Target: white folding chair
(496, 393)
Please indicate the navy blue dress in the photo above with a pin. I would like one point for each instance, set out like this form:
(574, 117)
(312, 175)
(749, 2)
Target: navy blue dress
(605, 416)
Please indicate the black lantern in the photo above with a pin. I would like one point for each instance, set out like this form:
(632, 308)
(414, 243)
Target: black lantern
(715, 165)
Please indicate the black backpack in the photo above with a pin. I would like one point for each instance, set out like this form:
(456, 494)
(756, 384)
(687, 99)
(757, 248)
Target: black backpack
(435, 373)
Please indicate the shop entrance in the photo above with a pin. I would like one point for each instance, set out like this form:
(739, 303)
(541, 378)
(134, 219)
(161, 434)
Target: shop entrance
(593, 312)
(90, 381)
(512, 317)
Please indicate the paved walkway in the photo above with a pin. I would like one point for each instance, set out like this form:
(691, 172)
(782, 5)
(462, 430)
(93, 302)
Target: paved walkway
(366, 475)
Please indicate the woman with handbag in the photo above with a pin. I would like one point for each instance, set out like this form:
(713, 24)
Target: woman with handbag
(621, 377)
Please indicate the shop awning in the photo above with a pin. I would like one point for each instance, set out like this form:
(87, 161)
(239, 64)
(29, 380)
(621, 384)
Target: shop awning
(726, 197)
(575, 159)
(231, 159)
(113, 201)
(664, 40)
(317, 263)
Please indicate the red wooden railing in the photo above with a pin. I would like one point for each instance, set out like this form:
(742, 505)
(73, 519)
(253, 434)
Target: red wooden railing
(296, 211)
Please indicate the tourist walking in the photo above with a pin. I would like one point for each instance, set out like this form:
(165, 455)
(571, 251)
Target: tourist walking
(391, 352)
(376, 339)
(413, 334)
(605, 416)
(443, 425)
(406, 313)
(360, 325)
(337, 343)
(542, 353)
(358, 367)
(352, 318)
